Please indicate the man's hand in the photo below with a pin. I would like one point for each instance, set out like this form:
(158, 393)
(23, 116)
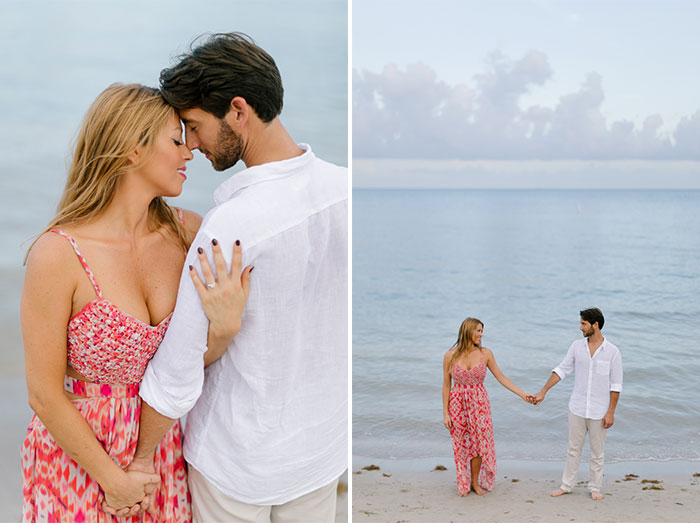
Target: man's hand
(538, 398)
(608, 420)
(146, 465)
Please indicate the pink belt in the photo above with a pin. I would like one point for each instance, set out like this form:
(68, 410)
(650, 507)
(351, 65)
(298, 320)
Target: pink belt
(100, 390)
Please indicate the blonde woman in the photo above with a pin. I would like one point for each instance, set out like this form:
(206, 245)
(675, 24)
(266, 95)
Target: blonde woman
(100, 285)
(466, 409)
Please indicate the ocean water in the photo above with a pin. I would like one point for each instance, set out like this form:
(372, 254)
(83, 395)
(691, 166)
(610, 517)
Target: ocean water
(525, 262)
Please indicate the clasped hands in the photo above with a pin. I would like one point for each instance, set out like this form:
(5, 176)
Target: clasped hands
(534, 399)
(135, 492)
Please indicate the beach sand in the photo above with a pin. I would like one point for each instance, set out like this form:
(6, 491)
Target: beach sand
(411, 491)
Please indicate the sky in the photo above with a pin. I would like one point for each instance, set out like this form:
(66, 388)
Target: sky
(526, 93)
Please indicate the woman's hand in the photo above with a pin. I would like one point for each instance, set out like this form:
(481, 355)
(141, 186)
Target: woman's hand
(446, 420)
(128, 491)
(223, 295)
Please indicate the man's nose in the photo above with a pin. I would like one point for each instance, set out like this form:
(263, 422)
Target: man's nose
(191, 141)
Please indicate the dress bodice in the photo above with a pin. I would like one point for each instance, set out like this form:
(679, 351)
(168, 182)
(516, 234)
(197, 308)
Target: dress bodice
(473, 376)
(106, 345)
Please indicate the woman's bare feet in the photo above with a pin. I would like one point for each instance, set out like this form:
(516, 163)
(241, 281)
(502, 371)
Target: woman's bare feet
(595, 495)
(557, 493)
(478, 490)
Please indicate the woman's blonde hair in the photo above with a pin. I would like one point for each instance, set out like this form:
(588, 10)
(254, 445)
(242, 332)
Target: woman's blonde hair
(464, 343)
(121, 119)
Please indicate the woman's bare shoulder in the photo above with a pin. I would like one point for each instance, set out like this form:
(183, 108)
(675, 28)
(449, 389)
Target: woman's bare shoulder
(51, 250)
(53, 262)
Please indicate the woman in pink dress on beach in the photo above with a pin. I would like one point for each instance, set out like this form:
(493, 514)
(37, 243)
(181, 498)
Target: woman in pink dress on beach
(99, 290)
(466, 410)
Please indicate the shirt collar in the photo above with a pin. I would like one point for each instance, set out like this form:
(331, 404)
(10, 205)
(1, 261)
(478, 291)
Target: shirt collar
(601, 348)
(263, 173)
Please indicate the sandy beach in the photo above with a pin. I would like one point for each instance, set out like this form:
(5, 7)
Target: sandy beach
(412, 491)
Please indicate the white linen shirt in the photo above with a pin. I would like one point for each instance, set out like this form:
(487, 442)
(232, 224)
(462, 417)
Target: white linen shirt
(268, 421)
(595, 377)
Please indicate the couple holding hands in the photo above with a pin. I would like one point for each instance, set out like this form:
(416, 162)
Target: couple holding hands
(597, 366)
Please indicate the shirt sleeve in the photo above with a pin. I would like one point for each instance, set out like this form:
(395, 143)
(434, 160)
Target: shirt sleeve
(616, 373)
(175, 375)
(566, 366)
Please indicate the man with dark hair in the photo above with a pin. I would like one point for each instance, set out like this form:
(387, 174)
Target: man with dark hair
(593, 316)
(266, 432)
(598, 382)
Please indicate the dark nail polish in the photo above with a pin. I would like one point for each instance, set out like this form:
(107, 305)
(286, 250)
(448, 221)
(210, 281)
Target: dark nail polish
(200, 250)
(238, 242)
(251, 269)
(191, 267)
(214, 242)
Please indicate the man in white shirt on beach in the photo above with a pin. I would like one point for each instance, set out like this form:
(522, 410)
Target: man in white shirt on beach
(597, 365)
(266, 432)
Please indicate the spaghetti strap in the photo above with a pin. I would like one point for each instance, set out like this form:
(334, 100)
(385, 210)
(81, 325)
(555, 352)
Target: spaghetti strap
(180, 215)
(82, 261)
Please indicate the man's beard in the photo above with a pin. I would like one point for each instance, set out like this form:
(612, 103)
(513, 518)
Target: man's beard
(228, 148)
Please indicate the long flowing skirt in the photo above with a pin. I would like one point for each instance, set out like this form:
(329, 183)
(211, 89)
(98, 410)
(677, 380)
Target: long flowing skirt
(472, 435)
(57, 489)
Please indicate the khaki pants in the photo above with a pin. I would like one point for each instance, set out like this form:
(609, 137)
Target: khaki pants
(210, 505)
(578, 427)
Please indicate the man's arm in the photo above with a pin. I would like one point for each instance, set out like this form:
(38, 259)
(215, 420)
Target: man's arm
(560, 372)
(609, 418)
(615, 389)
(183, 353)
(174, 377)
(153, 426)
(551, 382)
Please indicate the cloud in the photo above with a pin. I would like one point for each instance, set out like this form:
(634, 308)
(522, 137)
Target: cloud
(687, 135)
(411, 113)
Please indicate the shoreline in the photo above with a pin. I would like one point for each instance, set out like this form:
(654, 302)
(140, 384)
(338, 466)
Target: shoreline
(672, 468)
(413, 491)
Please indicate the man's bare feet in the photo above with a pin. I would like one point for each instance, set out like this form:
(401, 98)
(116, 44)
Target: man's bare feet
(478, 490)
(557, 493)
(595, 495)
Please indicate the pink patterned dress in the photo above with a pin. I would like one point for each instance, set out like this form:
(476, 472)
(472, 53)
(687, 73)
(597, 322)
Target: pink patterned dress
(472, 428)
(112, 349)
